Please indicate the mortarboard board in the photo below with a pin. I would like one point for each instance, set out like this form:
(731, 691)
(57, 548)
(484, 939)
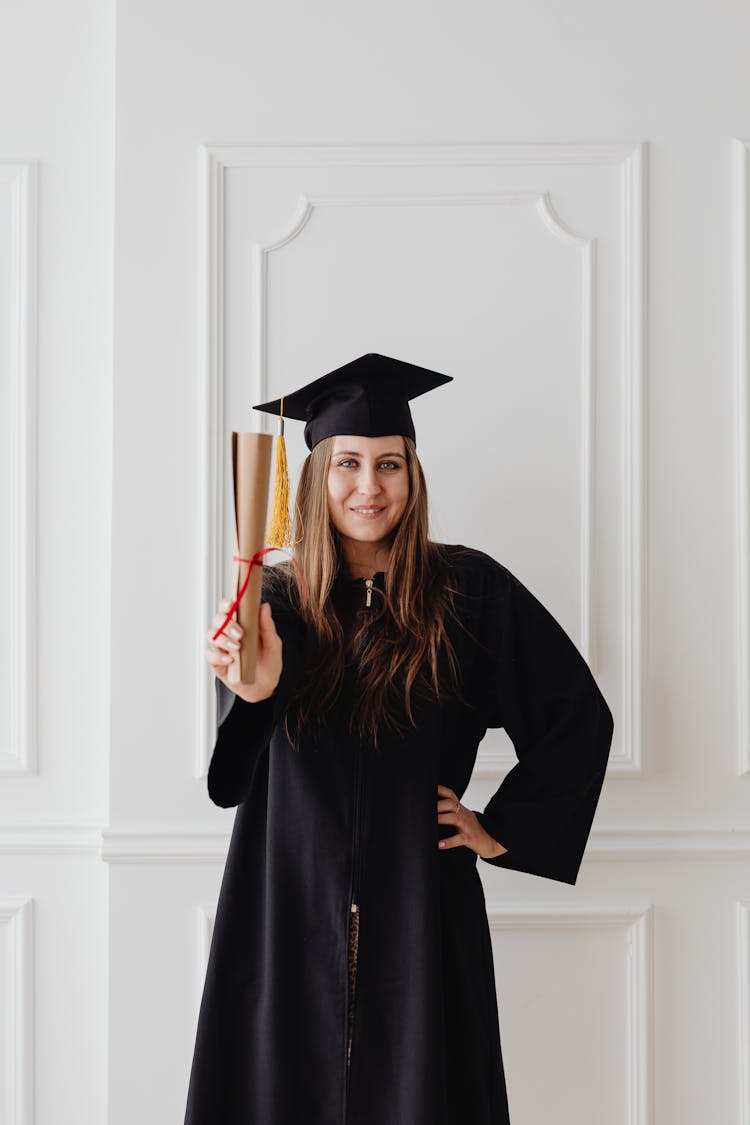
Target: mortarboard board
(368, 396)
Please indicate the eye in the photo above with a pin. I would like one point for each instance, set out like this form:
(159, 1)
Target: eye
(351, 461)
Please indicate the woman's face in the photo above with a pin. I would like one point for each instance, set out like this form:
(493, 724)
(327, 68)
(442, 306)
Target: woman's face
(368, 486)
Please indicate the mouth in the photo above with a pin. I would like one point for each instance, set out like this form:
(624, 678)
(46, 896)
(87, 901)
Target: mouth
(367, 513)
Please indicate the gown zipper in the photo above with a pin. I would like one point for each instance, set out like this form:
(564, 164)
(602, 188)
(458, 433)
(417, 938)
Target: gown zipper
(353, 944)
(354, 912)
(354, 908)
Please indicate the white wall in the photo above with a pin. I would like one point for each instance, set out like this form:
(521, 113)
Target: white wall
(599, 312)
(56, 217)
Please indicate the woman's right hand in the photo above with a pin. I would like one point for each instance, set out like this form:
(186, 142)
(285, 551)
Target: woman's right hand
(223, 650)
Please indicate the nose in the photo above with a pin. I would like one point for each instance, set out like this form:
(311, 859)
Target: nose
(367, 481)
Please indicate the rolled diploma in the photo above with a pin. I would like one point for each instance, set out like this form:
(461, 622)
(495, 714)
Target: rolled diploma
(251, 471)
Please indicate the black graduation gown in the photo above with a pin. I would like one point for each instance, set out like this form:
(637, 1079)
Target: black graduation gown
(315, 831)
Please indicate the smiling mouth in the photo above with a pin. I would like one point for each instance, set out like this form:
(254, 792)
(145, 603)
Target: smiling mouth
(367, 512)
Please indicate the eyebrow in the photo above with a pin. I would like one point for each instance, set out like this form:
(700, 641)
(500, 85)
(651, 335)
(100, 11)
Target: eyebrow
(354, 453)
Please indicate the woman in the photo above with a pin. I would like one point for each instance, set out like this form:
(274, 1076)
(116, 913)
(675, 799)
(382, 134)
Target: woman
(351, 979)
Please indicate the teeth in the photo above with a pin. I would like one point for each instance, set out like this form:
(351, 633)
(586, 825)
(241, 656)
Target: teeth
(368, 510)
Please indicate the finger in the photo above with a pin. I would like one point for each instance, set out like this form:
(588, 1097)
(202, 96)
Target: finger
(447, 817)
(231, 637)
(447, 804)
(224, 605)
(445, 791)
(452, 841)
(223, 643)
(218, 659)
(222, 638)
(233, 627)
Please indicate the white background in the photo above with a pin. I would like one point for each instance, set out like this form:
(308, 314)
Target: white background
(204, 206)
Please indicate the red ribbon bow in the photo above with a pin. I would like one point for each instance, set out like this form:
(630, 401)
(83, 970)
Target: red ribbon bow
(255, 559)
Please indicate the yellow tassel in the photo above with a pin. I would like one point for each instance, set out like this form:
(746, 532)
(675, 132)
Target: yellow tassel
(280, 527)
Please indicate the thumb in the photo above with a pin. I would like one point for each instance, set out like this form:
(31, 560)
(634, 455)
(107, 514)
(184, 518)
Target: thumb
(266, 621)
(269, 638)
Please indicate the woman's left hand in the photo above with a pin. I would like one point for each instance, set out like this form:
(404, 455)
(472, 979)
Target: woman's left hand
(470, 832)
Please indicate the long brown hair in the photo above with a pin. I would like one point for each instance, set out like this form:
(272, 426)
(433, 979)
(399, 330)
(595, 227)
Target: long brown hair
(399, 647)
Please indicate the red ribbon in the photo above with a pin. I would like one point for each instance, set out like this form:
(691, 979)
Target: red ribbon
(255, 559)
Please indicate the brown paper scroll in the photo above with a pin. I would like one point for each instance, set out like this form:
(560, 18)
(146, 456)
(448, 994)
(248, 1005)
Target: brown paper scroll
(251, 470)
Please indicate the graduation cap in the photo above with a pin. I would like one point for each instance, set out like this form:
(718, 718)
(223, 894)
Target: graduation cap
(368, 397)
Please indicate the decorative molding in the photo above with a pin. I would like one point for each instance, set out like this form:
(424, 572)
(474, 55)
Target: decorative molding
(421, 155)
(637, 920)
(17, 1012)
(587, 250)
(18, 183)
(160, 844)
(164, 845)
(628, 759)
(494, 757)
(182, 844)
(741, 241)
(217, 161)
(627, 844)
(50, 839)
(211, 442)
(743, 995)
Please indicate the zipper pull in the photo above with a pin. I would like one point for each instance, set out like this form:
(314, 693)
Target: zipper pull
(369, 584)
(354, 908)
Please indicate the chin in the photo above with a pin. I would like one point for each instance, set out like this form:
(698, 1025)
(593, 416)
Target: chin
(367, 533)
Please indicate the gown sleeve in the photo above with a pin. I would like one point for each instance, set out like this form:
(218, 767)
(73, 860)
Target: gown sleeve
(245, 729)
(541, 690)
